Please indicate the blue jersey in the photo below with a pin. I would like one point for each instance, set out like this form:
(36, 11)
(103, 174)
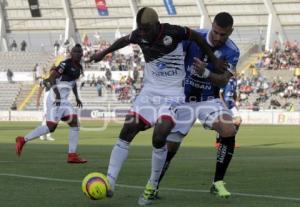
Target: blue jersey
(229, 93)
(202, 89)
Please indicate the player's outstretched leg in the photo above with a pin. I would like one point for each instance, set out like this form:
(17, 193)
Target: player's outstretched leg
(159, 156)
(73, 157)
(132, 126)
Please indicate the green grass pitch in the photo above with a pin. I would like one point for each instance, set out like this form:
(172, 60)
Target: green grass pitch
(265, 171)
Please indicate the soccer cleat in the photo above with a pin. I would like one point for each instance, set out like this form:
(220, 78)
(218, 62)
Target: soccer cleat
(149, 194)
(74, 158)
(50, 138)
(20, 141)
(109, 193)
(218, 188)
(43, 137)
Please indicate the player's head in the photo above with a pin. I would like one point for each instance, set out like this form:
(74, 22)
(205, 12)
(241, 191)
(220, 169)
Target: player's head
(76, 52)
(222, 28)
(147, 23)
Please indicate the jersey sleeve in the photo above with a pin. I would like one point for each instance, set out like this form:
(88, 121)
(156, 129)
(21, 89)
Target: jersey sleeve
(228, 94)
(133, 37)
(232, 61)
(183, 33)
(61, 67)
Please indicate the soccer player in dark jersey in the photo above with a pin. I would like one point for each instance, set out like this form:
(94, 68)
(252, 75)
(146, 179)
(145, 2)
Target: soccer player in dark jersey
(63, 81)
(164, 73)
(202, 84)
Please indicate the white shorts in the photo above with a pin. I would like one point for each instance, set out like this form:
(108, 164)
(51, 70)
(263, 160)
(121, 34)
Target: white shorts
(150, 108)
(206, 112)
(57, 113)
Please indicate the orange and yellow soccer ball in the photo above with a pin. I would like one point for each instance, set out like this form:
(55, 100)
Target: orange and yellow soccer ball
(95, 185)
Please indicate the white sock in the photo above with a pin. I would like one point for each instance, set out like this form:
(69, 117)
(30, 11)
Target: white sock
(73, 139)
(159, 156)
(39, 131)
(118, 156)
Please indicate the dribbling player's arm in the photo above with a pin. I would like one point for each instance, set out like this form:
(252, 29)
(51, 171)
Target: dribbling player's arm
(204, 45)
(118, 44)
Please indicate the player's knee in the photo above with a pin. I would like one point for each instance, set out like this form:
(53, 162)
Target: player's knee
(129, 131)
(158, 143)
(228, 130)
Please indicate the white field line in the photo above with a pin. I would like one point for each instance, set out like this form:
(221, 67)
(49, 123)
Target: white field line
(142, 187)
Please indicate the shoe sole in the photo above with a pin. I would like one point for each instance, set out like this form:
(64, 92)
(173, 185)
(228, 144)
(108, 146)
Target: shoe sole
(144, 202)
(215, 193)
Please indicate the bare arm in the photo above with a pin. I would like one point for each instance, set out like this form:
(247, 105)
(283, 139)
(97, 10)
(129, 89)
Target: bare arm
(78, 101)
(217, 79)
(118, 44)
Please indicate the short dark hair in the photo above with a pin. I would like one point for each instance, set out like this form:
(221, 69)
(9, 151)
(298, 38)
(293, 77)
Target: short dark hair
(223, 19)
(76, 47)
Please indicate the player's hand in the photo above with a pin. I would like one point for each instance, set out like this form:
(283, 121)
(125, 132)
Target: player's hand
(79, 103)
(199, 66)
(221, 65)
(96, 57)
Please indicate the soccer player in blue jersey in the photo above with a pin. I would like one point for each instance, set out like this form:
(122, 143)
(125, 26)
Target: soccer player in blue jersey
(229, 97)
(202, 84)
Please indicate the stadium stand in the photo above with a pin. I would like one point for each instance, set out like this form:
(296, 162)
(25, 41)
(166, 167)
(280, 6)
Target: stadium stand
(8, 95)
(67, 22)
(23, 61)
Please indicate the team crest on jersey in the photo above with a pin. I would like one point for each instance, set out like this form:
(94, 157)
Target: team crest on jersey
(218, 53)
(161, 65)
(167, 40)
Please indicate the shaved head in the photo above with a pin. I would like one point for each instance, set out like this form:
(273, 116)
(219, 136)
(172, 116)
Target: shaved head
(146, 15)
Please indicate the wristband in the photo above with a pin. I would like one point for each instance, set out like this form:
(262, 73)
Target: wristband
(206, 73)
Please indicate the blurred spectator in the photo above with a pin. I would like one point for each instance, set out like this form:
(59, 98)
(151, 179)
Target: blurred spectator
(9, 75)
(14, 106)
(56, 47)
(136, 75)
(99, 87)
(108, 74)
(14, 45)
(23, 46)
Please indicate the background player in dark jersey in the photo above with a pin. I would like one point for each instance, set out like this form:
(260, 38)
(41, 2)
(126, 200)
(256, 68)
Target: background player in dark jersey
(162, 85)
(63, 81)
(44, 90)
(229, 97)
(202, 84)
